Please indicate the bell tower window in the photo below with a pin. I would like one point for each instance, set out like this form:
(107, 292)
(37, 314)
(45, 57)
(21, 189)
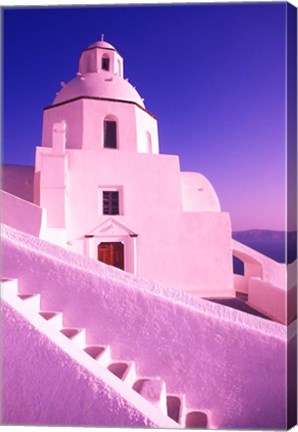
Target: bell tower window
(105, 63)
(110, 134)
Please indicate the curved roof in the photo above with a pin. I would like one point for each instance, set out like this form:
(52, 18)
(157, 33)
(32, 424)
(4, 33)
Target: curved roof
(99, 86)
(102, 44)
(198, 193)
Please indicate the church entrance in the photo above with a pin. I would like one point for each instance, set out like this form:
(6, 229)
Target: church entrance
(111, 253)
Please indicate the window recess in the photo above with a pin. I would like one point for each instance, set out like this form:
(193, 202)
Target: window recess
(110, 202)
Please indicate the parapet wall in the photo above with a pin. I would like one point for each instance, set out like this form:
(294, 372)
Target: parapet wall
(22, 215)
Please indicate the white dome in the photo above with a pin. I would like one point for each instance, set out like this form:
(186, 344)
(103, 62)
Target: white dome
(94, 80)
(99, 86)
(102, 44)
(198, 194)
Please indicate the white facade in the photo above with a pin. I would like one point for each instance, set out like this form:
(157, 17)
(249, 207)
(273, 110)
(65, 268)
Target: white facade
(101, 178)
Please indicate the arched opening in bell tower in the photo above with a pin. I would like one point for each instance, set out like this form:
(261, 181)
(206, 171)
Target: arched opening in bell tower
(110, 132)
(105, 62)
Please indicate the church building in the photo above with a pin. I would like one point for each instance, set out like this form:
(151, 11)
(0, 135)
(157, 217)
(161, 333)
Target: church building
(126, 349)
(110, 195)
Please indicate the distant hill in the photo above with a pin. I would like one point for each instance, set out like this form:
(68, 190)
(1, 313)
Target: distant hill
(270, 243)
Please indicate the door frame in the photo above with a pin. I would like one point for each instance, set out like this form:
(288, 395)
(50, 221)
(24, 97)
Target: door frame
(129, 244)
(111, 230)
(121, 249)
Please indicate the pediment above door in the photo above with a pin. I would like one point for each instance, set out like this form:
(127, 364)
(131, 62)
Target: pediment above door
(111, 227)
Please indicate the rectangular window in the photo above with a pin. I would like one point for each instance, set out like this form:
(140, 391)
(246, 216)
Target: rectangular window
(110, 203)
(110, 140)
(105, 63)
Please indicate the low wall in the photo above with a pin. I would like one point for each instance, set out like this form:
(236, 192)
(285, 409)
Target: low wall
(270, 270)
(241, 284)
(21, 214)
(270, 285)
(215, 355)
(278, 304)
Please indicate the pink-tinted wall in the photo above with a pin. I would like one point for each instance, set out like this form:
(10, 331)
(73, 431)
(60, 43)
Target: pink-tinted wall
(229, 364)
(198, 193)
(151, 205)
(273, 301)
(85, 118)
(265, 283)
(173, 217)
(257, 264)
(22, 215)
(73, 115)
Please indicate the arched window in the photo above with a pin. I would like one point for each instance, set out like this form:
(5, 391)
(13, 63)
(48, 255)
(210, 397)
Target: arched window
(105, 62)
(109, 133)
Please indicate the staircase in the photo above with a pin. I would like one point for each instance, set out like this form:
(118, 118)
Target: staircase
(173, 410)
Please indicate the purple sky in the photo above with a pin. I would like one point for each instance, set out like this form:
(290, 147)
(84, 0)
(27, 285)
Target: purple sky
(214, 75)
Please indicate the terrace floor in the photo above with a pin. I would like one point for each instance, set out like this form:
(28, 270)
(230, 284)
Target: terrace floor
(238, 302)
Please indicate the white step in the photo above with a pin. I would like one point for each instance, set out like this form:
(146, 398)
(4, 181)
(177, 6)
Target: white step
(130, 374)
(32, 300)
(126, 371)
(154, 390)
(196, 419)
(10, 286)
(118, 368)
(176, 408)
(77, 335)
(100, 353)
(53, 318)
(105, 357)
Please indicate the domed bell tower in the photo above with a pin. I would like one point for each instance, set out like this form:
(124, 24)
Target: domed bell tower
(101, 57)
(95, 120)
(101, 109)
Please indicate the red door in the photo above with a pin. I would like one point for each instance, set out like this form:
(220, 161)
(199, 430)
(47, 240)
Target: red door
(112, 254)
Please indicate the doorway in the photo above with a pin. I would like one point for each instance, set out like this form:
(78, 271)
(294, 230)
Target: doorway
(111, 253)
